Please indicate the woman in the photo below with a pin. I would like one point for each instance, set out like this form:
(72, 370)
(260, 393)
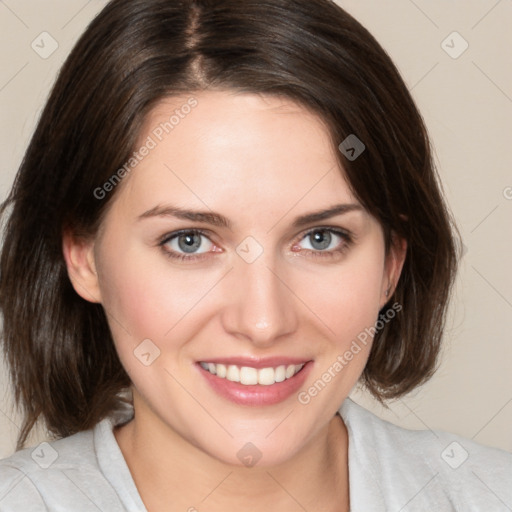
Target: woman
(227, 216)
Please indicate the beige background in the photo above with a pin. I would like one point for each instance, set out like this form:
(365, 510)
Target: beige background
(467, 105)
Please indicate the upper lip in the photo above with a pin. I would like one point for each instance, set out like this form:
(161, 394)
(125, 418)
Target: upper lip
(257, 362)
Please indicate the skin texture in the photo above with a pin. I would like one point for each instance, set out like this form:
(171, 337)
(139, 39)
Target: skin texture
(260, 161)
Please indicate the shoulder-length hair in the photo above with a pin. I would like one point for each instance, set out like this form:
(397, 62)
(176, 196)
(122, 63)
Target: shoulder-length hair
(60, 352)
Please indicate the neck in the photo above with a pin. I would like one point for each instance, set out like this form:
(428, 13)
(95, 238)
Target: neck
(172, 474)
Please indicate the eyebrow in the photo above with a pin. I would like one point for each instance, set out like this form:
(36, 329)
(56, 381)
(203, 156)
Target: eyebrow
(216, 219)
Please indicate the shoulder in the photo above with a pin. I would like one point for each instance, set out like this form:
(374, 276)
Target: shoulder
(16, 488)
(426, 467)
(62, 473)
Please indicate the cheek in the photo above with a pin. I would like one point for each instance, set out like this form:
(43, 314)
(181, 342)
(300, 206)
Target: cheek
(139, 292)
(147, 299)
(347, 299)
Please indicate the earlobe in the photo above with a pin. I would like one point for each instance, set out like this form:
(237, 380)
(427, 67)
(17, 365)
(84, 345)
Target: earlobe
(80, 261)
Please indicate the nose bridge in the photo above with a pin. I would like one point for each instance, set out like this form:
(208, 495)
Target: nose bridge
(262, 307)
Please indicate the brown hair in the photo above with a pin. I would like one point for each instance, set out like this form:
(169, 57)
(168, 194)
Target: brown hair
(59, 348)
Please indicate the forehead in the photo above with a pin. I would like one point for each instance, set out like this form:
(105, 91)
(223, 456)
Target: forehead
(242, 151)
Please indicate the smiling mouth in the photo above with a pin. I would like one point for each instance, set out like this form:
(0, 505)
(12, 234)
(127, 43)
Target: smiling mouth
(249, 376)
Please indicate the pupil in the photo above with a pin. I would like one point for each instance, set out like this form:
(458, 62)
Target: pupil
(323, 238)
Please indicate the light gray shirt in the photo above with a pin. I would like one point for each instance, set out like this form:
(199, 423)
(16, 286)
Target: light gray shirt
(390, 469)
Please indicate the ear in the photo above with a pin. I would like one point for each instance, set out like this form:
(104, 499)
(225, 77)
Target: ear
(393, 267)
(80, 261)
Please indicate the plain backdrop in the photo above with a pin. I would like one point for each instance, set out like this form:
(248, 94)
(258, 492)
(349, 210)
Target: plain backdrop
(455, 58)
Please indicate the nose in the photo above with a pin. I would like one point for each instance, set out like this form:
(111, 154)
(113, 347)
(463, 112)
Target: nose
(262, 305)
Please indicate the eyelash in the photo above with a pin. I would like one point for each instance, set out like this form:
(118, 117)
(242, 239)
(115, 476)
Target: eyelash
(347, 241)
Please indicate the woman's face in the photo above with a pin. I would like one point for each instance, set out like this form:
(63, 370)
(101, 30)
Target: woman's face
(254, 280)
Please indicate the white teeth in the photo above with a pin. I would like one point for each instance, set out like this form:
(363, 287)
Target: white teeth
(280, 374)
(290, 370)
(221, 370)
(266, 376)
(249, 376)
(233, 373)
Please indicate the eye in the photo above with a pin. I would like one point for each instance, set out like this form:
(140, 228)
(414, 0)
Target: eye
(325, 242)
(186, 244)
(189, 244)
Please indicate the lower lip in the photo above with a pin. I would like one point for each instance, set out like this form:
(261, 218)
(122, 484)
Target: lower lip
(257, 394)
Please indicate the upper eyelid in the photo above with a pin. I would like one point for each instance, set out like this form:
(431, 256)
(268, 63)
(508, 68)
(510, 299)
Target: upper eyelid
(335, 229)
(173, 234)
